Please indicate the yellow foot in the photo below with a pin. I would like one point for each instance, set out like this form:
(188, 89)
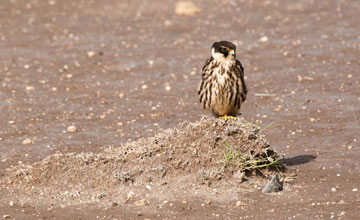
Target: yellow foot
(225, 117)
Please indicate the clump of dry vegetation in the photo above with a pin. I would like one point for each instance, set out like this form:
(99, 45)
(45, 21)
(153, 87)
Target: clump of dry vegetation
(208, 151)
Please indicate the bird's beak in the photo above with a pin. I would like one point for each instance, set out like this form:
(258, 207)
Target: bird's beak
(232, 52)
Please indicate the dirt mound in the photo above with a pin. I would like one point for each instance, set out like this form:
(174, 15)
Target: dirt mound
(207, 151)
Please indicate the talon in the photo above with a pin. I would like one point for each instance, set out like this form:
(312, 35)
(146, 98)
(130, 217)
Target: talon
(232, 117)
(225, 117)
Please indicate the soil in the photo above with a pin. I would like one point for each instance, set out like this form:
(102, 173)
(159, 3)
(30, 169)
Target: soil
(125, 72)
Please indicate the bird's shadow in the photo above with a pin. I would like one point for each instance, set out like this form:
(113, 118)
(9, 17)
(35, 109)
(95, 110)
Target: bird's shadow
(301, 159)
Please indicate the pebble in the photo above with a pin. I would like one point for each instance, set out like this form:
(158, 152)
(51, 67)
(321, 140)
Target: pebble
(142, 202)
(167, 23)
(90, 54)
(333, 189)
(240, 203)
(355, 190)
(11, 203)
(71, 129)
(167, 87)
(29, 88)
(186, 8)
(144, 86)
(264, 39)
(27, 141)
(6, 216)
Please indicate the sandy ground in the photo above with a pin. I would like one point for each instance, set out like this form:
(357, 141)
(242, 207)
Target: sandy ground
(119, 71)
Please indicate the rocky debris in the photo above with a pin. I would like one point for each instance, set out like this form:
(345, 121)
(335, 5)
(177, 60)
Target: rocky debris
(206, 152)
(274, 185)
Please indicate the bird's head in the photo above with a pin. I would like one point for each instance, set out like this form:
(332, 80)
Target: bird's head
(223, 50)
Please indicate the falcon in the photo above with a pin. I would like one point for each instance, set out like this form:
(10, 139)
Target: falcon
(222, 89)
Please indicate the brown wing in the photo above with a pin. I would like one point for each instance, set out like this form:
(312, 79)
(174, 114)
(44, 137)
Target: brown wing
(203, 91)
(240, 73)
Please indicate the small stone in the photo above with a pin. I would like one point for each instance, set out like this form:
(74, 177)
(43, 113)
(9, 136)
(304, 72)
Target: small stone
(240, 203)
(11, 122)
(90, 54)
(167, 87)
(27, 141)
(355, 190)
(11, 203)
(264, 39)
(142, 202)
(69, 76)
(29, 88)
(186, 8)
(144, 86)
(150, 62)
(207, 202)
(341, 202)
(71, 129)
(167, 23)
(121, 95)
(239, 176)
(274, 185)
(6, 216)
(52, 2)
(333, 189)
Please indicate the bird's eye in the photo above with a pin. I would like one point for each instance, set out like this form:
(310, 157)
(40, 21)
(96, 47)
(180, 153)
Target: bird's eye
(223, 49)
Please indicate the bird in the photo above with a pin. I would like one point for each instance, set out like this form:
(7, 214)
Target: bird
(222, 88)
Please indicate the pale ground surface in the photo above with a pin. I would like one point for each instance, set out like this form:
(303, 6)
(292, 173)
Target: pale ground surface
(120, 71)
